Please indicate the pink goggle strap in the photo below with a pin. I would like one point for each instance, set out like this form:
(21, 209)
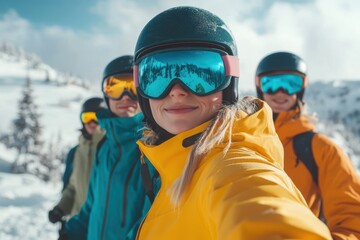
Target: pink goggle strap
(232, 65)
(136, 75)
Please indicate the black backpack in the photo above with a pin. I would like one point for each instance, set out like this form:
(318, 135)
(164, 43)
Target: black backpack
(303, 152)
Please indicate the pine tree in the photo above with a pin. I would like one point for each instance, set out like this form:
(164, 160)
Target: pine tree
(27, 130)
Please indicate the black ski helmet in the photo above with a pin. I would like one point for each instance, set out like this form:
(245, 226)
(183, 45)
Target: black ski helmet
(186, 27)
(120, 65)
(280, 61)
(93, 104)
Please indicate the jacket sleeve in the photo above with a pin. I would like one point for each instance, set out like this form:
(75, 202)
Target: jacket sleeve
(68, 196)
(253, 199)
(340, 189)
(77, 226)
(68, 166)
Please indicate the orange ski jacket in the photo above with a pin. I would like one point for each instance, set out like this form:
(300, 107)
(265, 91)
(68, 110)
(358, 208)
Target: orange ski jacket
(338, 188)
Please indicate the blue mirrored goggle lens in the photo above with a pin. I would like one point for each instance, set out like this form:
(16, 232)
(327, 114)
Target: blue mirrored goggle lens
(200, 71)
(290, 83)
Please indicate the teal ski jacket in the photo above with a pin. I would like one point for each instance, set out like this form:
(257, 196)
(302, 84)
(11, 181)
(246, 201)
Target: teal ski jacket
(116, 202)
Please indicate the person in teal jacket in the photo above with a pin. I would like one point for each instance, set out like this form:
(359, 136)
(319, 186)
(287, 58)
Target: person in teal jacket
(116, 201)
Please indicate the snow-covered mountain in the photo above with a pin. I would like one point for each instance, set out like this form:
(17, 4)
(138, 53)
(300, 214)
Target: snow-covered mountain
(58, 95)
(337, 106)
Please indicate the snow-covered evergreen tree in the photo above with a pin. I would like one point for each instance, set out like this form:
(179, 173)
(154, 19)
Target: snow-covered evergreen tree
(51, 160)
(26, 135)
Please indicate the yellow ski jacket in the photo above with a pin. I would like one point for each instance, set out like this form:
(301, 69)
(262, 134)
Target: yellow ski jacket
(242, 194)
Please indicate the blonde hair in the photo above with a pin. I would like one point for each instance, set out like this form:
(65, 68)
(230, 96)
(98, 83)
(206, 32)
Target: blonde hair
(213, 135)
(304, 111)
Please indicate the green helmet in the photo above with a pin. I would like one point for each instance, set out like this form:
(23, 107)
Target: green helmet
(186, 27)
(280, 61)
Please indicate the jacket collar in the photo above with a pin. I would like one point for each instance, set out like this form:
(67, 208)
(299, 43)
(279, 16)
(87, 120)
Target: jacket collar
(120, 129)
(254, 132)
(291, 123)
(99, 133)
(170, 157)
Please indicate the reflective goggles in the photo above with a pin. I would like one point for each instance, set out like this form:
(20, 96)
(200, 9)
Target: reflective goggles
(290, 83)
(87, 117)
(201, 71)
(115, 87)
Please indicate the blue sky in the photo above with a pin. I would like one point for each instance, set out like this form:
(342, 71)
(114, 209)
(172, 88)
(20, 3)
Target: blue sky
(74, 14)
(82, 36)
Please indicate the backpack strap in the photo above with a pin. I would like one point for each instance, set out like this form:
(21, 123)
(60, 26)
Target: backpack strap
(304, 153)
(148, 180)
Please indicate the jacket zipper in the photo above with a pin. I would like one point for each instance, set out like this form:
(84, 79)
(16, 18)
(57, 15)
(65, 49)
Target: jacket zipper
(109, 183)
(140, 226)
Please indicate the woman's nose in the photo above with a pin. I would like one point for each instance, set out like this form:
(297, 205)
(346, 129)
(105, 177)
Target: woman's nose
(178, 90)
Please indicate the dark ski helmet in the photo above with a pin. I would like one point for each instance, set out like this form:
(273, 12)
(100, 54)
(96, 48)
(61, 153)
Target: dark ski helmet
(281, 61)
(120, 65)
(94, 104)
(186, 27)
(123, 64)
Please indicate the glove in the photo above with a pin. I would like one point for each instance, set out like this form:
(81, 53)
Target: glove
(63, 234)
(55, 215)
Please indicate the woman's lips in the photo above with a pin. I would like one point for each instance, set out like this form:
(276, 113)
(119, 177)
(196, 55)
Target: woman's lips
(180, 109)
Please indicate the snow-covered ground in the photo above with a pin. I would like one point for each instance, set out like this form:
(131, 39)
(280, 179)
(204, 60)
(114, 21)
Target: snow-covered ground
(24, 202)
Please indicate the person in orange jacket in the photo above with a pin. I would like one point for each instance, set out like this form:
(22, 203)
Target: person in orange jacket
(220, 160)
(281, 79)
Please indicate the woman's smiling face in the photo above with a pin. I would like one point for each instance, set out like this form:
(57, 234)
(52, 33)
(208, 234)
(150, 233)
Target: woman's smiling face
(182, 110)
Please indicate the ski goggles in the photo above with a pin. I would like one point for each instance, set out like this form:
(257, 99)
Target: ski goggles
(290, 83)
(87, 117)
(115, 87)
(201, 71)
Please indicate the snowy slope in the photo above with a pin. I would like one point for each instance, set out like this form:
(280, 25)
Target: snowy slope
(59, 99)
(25, 199)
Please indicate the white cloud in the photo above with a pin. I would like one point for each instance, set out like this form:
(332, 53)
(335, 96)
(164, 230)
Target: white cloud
(81, 53)
(323, 32)
(13, 28)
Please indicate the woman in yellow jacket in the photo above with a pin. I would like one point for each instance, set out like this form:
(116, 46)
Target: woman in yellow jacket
(281, 79)
(220, 161)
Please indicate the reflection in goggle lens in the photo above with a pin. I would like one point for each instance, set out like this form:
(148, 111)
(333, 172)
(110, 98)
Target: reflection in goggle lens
(203, 72)
(290, 83)
(115, 87)
(87, 117)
